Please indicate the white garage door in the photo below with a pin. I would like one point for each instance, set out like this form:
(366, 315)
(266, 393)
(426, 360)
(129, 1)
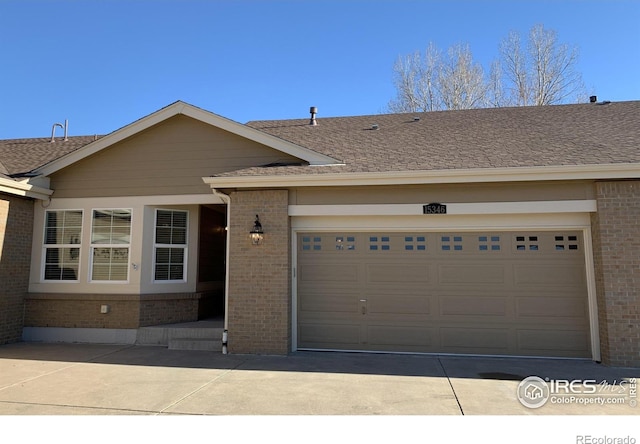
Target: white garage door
(502, 293)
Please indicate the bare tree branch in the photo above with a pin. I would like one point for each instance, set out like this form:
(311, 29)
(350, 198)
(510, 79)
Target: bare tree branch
(543, 73)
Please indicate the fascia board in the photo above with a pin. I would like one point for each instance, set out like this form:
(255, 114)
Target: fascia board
(480, 175)
(196, 113)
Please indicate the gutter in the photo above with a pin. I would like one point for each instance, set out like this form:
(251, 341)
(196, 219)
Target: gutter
(225, 333)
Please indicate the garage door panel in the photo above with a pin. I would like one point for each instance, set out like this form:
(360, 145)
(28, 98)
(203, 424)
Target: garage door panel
(399, 336)
(389, 273)
(398, 304)
(473, 306)
(552, 307)
(471, 273)
(496, 339)
(549, 275)
(334, 302)
(504, 293)
(329, 333)
(559, 341)
(333, 272)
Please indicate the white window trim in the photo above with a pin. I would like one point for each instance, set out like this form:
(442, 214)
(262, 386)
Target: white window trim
(92, 246)
(156, 245)
(45, 246)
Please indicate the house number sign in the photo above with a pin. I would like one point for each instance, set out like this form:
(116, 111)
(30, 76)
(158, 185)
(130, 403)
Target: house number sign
(434, 208)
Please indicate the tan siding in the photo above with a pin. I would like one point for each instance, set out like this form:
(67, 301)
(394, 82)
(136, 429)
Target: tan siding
(170, 158)
(450, 193)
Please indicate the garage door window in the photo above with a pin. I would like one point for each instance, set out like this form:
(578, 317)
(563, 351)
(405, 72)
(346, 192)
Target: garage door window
(379, 243)
(566, 243)
(489, 243)
(527, 243)
(311, 243)
(415, 243)
(451, 243)
(345, 243)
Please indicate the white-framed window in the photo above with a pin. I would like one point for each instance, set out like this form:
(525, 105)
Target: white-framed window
(62, 242)
(110, 244)
(170, 246)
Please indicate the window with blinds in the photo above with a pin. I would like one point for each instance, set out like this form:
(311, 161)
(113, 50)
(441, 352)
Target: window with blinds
(170, 245)
(110, 244)
(62, 239)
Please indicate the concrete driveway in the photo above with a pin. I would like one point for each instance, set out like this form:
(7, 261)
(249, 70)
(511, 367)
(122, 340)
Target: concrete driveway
(82, 379)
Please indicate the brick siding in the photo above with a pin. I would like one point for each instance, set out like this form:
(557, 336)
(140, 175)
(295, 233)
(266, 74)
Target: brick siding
(125, 311)
(16, 230)
(259, 312)
(616, 244)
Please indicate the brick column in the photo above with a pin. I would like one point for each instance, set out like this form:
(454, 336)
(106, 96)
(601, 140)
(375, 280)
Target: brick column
(259, 310)
(16, 230)
(616, 245)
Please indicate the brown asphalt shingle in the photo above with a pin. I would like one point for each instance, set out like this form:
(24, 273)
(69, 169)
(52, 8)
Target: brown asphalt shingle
(20, 156)
(602, 133)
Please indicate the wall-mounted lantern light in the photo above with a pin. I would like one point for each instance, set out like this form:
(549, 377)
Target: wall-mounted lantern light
(256, 233)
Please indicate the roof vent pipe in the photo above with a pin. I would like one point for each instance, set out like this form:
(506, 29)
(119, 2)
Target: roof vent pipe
(313, 110)
(64, 127)
(53, 131)
(593, 99)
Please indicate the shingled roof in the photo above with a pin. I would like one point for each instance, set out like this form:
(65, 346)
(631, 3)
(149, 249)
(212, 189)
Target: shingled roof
(562, 135)
(584, 134)
(18, 157)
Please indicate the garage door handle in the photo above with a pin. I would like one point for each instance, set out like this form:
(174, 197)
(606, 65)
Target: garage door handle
(364, 310)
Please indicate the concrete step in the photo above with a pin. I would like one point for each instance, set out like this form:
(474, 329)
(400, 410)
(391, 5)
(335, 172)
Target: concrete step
(195, 344)
(164, 334)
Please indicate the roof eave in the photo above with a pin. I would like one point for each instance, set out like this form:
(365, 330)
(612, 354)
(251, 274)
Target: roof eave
(24, 189)
(476, 175)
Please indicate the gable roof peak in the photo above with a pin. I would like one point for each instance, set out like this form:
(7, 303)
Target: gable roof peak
(182, 108)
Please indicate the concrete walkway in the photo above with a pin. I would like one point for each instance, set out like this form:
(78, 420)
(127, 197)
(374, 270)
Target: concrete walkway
(82, 379)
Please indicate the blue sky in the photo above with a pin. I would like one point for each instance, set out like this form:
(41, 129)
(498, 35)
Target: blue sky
(104, 64)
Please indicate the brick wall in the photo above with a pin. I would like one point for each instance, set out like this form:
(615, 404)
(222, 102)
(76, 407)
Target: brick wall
(616, 245)
(157, 309)
(16, 229)
(259, 311)
(125, 311)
